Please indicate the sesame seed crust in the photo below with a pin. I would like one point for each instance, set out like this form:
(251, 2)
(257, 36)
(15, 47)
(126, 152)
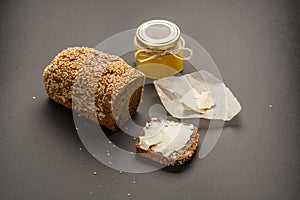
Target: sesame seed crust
(86, 80)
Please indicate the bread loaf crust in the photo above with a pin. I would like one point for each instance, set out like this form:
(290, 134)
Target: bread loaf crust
(85, 79)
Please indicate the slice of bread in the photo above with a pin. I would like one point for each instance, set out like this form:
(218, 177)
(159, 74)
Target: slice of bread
(167, 142)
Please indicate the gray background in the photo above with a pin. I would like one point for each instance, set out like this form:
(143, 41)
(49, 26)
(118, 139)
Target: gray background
(256, 47)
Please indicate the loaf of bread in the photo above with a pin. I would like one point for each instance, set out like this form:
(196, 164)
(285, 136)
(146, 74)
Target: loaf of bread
(99, 86)
(167, 142)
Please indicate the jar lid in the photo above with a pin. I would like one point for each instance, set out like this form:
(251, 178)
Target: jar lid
(158, 34)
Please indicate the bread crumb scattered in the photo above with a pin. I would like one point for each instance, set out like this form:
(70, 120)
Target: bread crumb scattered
(95, 173)
(33, 97)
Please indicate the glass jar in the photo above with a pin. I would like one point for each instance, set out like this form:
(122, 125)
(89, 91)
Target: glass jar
(159, 49)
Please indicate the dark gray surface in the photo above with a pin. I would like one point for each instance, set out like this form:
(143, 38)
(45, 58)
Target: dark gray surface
(256, 47)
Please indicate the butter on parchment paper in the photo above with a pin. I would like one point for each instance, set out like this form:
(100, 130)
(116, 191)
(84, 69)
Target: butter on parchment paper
(197, 95)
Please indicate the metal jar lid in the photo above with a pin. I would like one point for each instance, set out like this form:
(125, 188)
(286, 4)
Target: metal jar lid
(158, 34)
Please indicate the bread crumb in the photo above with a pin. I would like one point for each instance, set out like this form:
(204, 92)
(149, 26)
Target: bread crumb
(270, 105)
(33, 97)
(95, 173)
(129, 194)
(120, 171)
(133, 182)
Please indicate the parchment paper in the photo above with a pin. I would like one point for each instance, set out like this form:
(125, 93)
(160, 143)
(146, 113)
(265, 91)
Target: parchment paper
(171, 89)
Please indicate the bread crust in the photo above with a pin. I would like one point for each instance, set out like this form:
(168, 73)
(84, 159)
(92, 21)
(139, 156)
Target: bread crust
(88, 81)
(181, 158)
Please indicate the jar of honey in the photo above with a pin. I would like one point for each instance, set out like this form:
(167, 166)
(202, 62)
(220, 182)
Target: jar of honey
(159, 49)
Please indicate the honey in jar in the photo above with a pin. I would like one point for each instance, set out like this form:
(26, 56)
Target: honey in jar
(159, 49)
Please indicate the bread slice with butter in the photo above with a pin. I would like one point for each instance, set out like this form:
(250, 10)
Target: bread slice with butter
(167, 142)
